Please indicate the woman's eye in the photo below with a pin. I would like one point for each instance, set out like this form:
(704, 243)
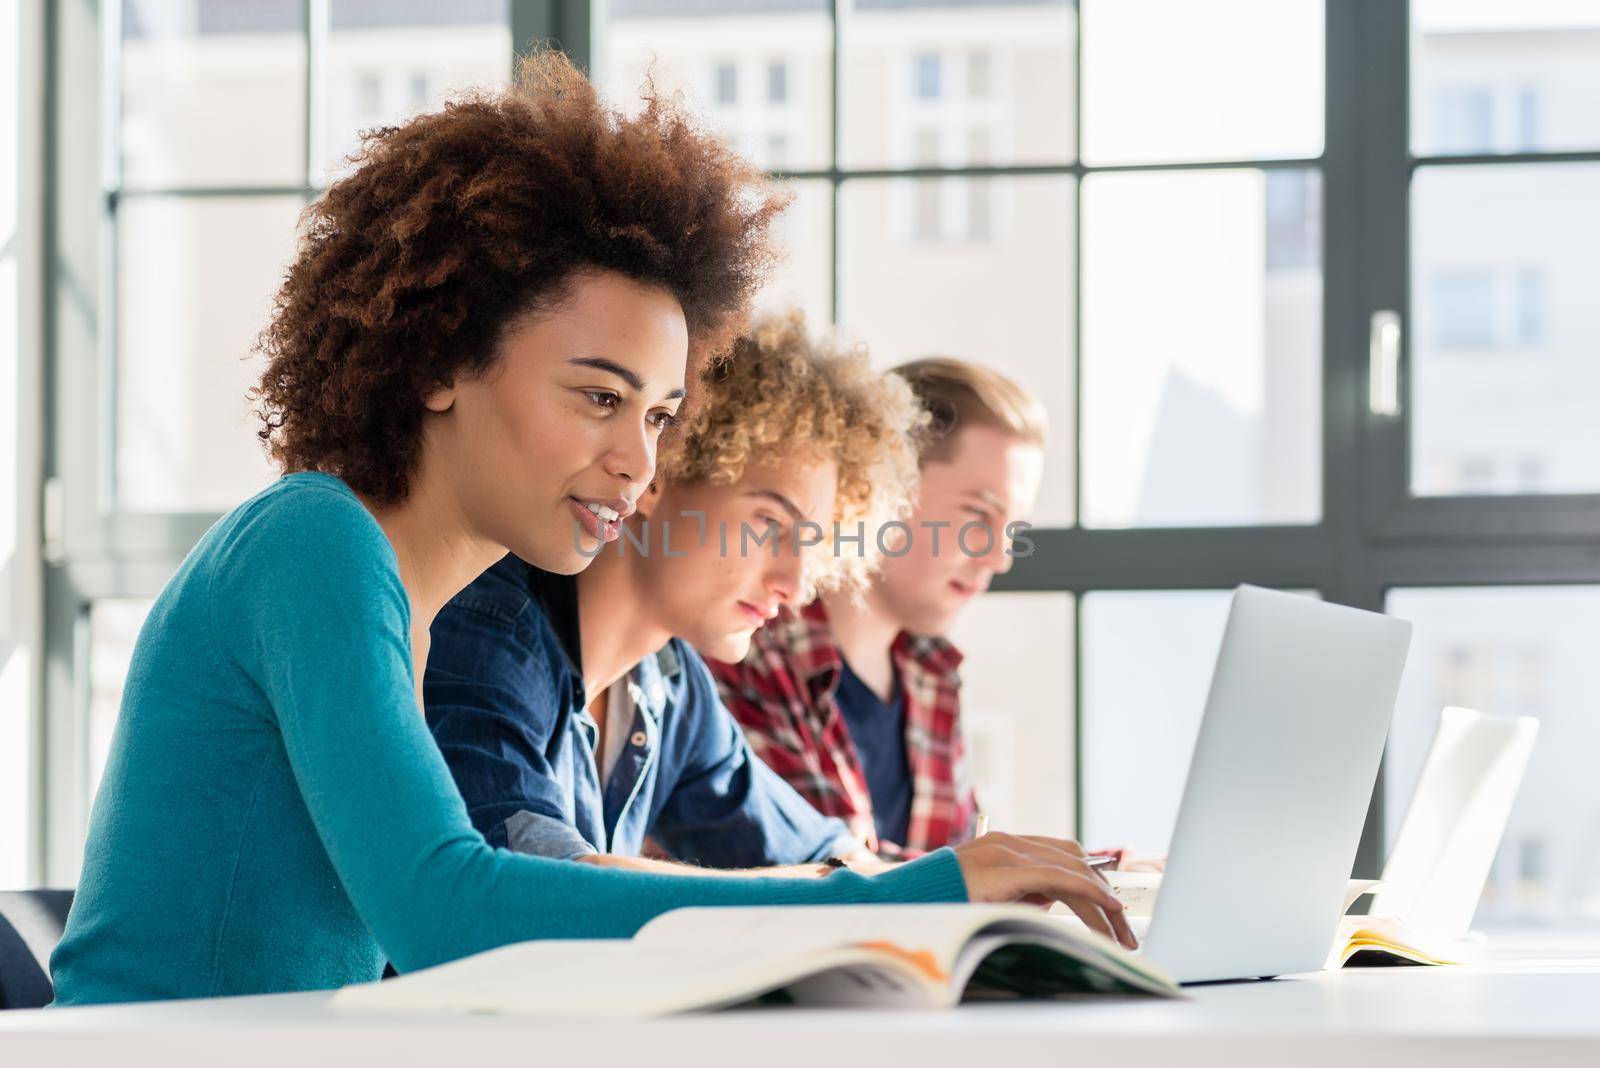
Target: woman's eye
(662, 420)
(608, 401)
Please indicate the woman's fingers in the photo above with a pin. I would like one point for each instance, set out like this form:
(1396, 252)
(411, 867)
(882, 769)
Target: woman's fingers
(1120, 924)
(1102, 913)
(1093, 918)
(1066, 845)
(1075, 856)
(1010, 868)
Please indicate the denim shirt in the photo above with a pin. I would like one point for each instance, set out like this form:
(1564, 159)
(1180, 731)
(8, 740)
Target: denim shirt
(505, 701)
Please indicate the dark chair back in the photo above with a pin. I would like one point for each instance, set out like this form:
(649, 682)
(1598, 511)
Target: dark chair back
(31, 922)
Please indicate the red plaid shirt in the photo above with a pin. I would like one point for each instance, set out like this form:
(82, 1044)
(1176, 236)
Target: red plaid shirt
(785, 694)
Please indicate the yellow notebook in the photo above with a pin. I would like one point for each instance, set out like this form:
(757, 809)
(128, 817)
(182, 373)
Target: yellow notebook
(1361, 941)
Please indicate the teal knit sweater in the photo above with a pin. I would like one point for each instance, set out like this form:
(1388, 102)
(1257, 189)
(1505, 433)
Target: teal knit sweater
(274, 814)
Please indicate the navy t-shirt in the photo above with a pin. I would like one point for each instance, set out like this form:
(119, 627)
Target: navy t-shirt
(879, 732)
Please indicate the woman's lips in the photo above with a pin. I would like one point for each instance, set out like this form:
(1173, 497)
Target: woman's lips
(757, 616)
(598, 528)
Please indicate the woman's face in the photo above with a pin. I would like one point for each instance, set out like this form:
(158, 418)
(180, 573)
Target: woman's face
(552, 445)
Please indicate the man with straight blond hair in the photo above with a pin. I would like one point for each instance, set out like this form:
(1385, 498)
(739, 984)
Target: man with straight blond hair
(854, 699)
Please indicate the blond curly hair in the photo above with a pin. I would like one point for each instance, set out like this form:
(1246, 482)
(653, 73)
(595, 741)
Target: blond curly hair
(784, 394)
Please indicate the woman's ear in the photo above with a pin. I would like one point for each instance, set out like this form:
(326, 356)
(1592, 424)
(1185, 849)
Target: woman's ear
(441, 398)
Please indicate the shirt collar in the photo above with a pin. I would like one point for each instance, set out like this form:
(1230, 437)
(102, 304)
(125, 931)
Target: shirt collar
(647, 682)
(820, 660)
(557, 596)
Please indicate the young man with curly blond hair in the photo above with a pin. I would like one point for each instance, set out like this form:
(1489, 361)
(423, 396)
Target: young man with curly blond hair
(855, 699)
(574, 712)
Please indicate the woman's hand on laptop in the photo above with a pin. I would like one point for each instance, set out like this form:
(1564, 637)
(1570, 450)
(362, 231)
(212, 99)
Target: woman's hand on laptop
(1036, 870)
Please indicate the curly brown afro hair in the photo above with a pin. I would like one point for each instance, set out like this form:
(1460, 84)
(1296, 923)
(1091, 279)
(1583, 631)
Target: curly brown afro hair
(458, 224)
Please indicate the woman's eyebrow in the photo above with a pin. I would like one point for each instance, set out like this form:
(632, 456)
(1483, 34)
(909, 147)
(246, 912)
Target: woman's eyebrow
(635, 383)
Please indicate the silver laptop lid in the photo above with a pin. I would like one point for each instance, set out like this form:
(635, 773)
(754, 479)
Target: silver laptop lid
(1278, 787)
(1451, 831)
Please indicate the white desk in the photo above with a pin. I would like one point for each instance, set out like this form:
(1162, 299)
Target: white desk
(1531, 1005)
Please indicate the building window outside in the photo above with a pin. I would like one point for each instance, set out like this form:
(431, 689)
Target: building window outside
(927, 76)
(777, 82)
(1463, 309)
(370, 90)
(1530, 306)
(1528, 119)
(978, 75)
(727, 83)
(777, 151)
(1465, 121)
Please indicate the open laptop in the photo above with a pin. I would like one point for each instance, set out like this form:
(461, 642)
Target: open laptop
(1451, 831)
(1278, 788)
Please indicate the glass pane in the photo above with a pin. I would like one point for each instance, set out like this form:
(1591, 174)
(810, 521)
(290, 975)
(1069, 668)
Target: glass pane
(1504, 375)
(761, 74)
(1495, 78)
(113, 628)
(213, 93)
(977, 268)
(16, 719)
(1140, 725)
(805, 233)
(1202, 340)
(1173, 80)
(958, 84)
(388, 62)
(1515, 651)
(1016, 708)
(196, 279)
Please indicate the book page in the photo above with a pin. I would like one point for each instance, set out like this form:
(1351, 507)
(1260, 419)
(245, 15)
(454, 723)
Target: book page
(1390, 941)
(943, 944)
(941, 931)
(612, 978)
(1355, 889)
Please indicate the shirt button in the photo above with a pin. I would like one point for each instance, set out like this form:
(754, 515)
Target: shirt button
(638, 739)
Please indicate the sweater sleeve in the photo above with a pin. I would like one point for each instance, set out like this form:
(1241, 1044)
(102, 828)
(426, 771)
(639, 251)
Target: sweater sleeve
(309, 604)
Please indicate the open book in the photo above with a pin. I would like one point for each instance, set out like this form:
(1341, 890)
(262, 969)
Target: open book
(843, 955)
(1360, 940)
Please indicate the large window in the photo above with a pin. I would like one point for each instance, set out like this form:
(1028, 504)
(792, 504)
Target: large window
(1288, 329)
(1174, 221)
(1156, 281)
(180, 176)
(18, 651)
(231, 117)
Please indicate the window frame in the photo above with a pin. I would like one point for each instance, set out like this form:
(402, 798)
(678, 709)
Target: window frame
(91, 549)
(1373, 534)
